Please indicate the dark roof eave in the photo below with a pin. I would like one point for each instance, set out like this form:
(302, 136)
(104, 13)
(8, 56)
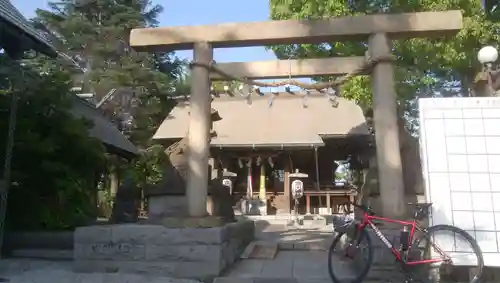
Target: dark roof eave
(271, 145)
(347, 136)
(285, 144)
(44, 48)
(120, 151)
(103, 130)
(13, 18)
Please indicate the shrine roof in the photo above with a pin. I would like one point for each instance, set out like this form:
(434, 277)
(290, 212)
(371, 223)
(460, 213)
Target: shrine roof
(103, 129)
(287, 123)
(32, 39)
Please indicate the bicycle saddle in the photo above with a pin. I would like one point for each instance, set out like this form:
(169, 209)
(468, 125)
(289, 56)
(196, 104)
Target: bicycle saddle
(420, 204)
(421, 210)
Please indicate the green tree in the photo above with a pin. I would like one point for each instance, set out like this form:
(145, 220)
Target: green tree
(424, 67)
(54, 159)
(95, 34)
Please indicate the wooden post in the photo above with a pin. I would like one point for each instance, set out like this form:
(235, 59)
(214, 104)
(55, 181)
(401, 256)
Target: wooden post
(262, 188)
(351, 200)
(390, 173)
(286, 185)
(328, 204)
(199, 132)
(262, 182)
(308, 204)
(249, 182)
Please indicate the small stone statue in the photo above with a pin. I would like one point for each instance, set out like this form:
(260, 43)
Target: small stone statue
(221, 200)
(176, 167)
(126, 205)
(174, 184)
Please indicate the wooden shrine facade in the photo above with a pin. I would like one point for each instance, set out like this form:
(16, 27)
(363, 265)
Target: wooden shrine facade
(263, 143)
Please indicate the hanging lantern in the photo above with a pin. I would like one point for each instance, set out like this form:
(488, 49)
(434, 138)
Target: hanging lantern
(297, 189)
(271, 99)
(245, 90)
(332, 97)
(305, 97)
(228, 183)
(270, 161)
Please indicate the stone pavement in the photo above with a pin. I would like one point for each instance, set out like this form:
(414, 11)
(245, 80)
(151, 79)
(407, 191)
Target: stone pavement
(302, 259)
(287, 266)
(294, 238)
(40, 271)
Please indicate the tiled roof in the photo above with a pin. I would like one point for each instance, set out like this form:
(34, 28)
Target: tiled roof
(103, 129)
(12, 16)
(286, 123)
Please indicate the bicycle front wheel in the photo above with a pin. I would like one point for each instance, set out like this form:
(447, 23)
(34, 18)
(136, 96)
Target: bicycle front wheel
(455, 248)
(350, 259)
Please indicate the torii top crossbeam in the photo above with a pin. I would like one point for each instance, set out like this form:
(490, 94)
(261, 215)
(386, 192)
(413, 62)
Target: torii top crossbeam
(407, 25)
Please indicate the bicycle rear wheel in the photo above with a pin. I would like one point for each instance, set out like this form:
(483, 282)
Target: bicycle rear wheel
(345, 248)
(437, 242)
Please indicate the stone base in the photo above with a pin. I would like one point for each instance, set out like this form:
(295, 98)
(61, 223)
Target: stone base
(161, 205)
(197, 253)
(191, 222)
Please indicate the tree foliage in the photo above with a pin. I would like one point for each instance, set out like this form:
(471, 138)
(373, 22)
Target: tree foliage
(95, 34)
(54, 160)
(425, 67)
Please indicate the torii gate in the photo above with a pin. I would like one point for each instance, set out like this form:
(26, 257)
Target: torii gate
(378, 29)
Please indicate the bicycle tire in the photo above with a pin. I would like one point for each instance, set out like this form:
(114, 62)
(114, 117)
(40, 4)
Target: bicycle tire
(475, 246)
(362, 275)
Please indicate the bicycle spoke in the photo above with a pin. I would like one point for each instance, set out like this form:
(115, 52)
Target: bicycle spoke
(453, 248)
(348, 261)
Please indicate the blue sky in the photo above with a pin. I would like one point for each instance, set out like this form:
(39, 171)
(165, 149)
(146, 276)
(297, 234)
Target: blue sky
(198, 12)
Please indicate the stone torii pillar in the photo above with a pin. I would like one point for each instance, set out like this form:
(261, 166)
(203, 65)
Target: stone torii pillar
(390, 170)
(199, 132)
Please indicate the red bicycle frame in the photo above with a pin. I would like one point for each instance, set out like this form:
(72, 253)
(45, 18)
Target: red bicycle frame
(368, 221)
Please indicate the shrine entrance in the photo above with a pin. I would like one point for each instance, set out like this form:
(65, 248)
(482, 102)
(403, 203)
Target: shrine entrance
(375, 30)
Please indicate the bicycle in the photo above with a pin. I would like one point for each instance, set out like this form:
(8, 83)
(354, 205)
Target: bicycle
(409, 256)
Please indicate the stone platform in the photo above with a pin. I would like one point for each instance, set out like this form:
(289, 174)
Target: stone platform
(43, 271)
(198, 253)
(293, 237)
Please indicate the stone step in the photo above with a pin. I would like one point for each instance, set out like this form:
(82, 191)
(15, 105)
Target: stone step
(284, 217)
(287, 280)
(260, 250)
(269, 280)
(301, 246)
(43, 254)
(299, 224)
